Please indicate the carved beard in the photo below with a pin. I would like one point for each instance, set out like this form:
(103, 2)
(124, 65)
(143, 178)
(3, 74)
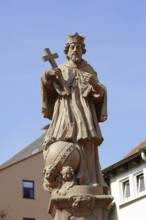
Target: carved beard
(75, 58)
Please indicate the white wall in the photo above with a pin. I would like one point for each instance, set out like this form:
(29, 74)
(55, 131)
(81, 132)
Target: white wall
(134, 206)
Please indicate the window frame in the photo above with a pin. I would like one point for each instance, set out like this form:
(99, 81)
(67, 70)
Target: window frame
(133, 185)
(137, 192)
(122, 182)
(23, 189)
(126, 189)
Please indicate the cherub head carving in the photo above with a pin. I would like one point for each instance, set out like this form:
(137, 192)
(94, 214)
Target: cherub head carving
(67, 173)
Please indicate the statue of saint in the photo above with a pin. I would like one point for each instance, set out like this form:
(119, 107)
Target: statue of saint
(76, 102)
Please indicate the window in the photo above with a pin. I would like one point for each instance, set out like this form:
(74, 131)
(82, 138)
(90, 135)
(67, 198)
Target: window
(28, 189)
(133, 186)
(126, 189)
(140, 183)
(28, 218)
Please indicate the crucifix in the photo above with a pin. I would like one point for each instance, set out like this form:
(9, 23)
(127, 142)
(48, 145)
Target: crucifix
(51, 58)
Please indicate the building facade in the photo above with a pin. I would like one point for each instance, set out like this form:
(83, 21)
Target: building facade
(22, 196)
(127, 180)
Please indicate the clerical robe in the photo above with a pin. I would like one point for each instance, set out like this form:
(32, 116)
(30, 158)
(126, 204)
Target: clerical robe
(76, 115)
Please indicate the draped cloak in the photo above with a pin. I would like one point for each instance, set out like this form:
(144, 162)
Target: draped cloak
(75, 116)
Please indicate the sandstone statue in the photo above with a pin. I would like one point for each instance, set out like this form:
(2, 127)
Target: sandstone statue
(75, 102)
(76, 111)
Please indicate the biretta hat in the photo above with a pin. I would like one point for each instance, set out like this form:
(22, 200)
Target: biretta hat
(75, 39)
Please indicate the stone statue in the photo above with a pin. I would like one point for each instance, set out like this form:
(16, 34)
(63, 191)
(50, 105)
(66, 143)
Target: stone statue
(76, 102)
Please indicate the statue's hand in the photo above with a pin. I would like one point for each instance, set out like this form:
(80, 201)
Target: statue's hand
(92, 81)
(54, 73)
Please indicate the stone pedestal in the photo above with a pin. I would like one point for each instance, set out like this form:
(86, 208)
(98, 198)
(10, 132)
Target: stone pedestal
(80, 203)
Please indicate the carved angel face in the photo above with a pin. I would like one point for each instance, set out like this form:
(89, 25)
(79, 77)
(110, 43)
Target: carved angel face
(75, 52)
(50, 173)
(67, 173)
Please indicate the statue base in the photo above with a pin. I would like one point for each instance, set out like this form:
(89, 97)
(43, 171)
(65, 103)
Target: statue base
(80, 203)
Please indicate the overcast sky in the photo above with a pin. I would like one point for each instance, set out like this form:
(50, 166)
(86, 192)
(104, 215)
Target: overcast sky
(115, 33)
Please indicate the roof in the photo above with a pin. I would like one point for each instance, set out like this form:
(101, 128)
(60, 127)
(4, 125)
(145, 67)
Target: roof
(28, 151)
(139, 147)
(132, 158)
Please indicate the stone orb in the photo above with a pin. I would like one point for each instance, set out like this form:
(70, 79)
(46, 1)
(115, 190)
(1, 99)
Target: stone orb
(63, 153)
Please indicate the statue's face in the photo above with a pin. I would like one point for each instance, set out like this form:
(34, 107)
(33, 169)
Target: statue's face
(75, 52)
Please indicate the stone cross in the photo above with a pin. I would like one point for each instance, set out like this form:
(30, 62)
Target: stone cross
(50, 57)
